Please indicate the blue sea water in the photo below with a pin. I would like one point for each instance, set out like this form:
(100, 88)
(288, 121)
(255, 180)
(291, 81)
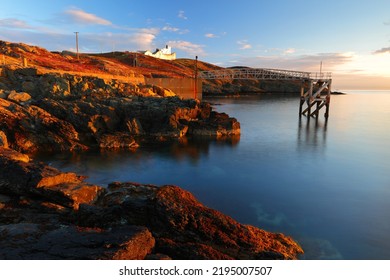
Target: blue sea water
(325, 183)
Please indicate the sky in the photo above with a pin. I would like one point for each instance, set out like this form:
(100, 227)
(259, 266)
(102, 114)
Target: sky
(351, 38)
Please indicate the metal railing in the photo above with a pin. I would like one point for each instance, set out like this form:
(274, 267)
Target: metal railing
(263, 74)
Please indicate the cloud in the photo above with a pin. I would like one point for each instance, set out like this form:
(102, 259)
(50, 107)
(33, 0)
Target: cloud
(210, 35)
(182, 15)
(170, 28)
(188, 47)
(289, 51)
(243, 44)
(14, 23)
(80, 16)
(88, 42)
(387, 23)
(175, 29)
(382, 51)
(143, 40)
(300, 63)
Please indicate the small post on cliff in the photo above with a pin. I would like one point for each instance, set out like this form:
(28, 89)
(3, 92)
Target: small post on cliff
(196, 78)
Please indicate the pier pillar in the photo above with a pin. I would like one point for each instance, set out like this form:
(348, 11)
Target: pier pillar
(327, 100)
(302, 101)
(309, 98)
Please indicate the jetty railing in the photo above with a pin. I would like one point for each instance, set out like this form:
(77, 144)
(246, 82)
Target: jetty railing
(262, 74)
(315, 86)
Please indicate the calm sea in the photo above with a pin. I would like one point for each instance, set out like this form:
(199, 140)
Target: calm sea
(327, 184)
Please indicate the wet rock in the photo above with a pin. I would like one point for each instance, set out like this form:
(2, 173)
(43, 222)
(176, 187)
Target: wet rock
(34, 241)
(217, 125)
(117, 141)
(135, 127)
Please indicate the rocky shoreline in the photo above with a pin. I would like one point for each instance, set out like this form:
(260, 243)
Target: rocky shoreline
(69, 112)
(49, 214)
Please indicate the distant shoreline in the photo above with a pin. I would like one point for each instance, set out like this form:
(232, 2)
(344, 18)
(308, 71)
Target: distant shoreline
(338, 93)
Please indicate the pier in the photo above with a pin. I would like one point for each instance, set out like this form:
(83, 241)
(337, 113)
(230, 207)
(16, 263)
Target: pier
(315, 86)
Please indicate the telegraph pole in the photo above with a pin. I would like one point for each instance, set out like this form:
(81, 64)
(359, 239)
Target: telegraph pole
(196, 78)
(77, 44)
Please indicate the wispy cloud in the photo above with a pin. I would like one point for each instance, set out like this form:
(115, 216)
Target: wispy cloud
(382, 51)
(289, 51)
(188, 47)
(387, 22)
(170, 28)
(174, 29)
(244, 45)
(182, 15)
(79, 16)
(142, 40)
(302, 62)
(14, 23)
(117, 41)
(210, 35)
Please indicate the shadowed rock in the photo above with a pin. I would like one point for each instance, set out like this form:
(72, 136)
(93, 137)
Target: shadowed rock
(31, 241)
(183, 227)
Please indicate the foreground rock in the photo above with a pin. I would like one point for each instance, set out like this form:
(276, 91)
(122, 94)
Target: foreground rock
(33, 241)
(182, 226)
(45, 216)
(20, 177)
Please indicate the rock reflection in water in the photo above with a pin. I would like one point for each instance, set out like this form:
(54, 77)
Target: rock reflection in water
(105, 166)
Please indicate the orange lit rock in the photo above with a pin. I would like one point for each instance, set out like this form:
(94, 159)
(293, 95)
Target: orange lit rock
(183, 227)
(23, 178)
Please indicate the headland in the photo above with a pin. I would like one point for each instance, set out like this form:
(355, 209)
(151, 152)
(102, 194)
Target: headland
(52, 102)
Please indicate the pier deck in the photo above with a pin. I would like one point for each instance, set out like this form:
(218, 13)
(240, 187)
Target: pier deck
(315, 86)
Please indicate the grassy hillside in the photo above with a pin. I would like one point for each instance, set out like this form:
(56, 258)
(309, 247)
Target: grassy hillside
(127, 65)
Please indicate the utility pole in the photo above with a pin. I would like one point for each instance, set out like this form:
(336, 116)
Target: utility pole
(196, 78)
(77, 44)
